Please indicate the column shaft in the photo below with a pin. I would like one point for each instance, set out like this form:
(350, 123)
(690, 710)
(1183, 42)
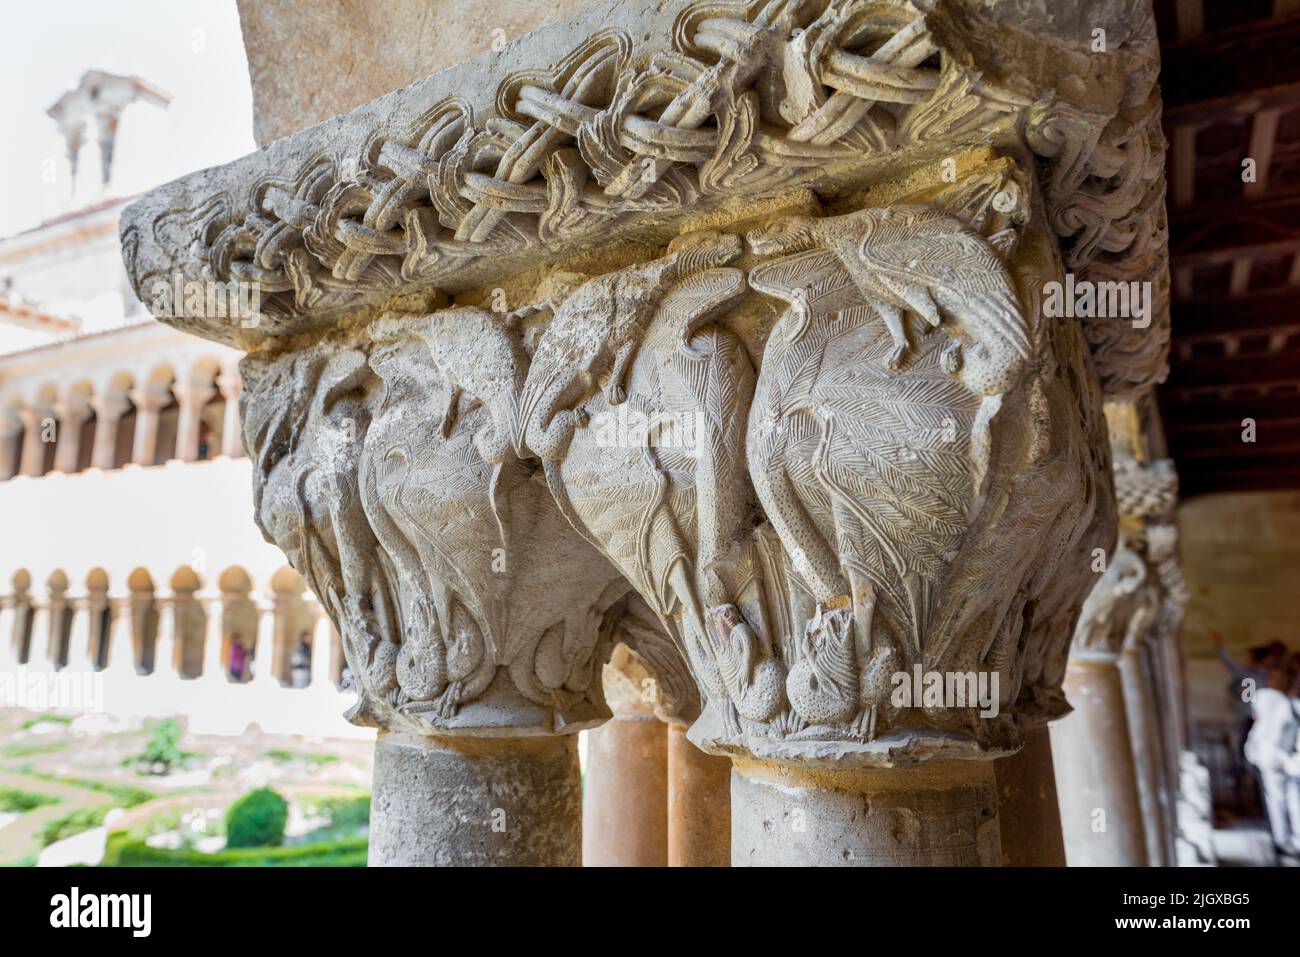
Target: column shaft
(1101, 812)
(1028, 809)
(699, 804)
(625, 798)
(476, 801)
(940, 813)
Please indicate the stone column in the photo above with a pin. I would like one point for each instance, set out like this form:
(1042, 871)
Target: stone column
(1101, 812)
(10, 425)
(70, 414)
(232, 442)
(191, 398)
(454, 802)
(40, 649)
(59, 607)
(215, 633)
(625, 795)
(1143, 716)
(80, 653)
(8, 633)
(941, 813)
(1028, 804)
(33, 454)
(148, 404)
(109, 410)
(699, 804)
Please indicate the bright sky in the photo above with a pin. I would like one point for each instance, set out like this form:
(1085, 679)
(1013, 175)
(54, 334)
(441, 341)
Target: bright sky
(191, 49)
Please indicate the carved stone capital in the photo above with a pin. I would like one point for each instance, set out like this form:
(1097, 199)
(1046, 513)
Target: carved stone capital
(717, 331)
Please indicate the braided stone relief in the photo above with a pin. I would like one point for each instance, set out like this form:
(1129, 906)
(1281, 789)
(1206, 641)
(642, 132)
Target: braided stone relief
(559, 145)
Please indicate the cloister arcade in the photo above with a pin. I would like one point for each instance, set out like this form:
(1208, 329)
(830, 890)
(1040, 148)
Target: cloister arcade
(181, 408)
(92, 628)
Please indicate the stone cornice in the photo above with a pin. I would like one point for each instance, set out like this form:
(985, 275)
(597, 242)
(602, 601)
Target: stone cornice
(560, 144)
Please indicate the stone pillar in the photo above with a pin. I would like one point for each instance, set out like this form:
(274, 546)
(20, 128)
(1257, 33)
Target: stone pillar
(191, 398)
(39, 651)
(1029, 810)
(625, 796)
(232, 442)
(108, 413)
(33, 454)
(450, 802)
(148, 404)
(1143, 717)
(8, 633)
(937, 814)
(699, 804)
(10, 425)
(1101, 812)
(215, 634)
(80, 653)
(59, 607)
(71, 415)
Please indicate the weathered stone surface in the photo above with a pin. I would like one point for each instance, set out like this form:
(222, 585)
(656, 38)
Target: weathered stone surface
(941, 814)
(476, 802)
(309, 62)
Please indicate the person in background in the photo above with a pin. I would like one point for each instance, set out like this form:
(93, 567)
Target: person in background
(301, 665)
(238, 658)
(1271, 748)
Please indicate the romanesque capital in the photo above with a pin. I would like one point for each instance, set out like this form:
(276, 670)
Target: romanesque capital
(717, 331)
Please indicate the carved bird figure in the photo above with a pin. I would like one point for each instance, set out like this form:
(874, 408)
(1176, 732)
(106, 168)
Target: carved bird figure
(823, 683)
(596, 334)
(919, 260)
(751, 673)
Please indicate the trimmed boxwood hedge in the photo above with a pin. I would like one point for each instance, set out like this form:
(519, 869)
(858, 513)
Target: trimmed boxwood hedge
(123, 850)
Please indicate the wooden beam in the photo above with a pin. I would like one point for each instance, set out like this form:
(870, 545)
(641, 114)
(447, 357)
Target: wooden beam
(1179, 416)
(1227, 373)
(1257, 313)
(1216, 233)
(1263, 135)
(1240, 70)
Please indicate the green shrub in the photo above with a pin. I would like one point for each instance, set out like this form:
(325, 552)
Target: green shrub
(125, 851)
(344, 817)
(257, 820)
(74, 822)
(163, 752)
(16, 799)
(346, 812)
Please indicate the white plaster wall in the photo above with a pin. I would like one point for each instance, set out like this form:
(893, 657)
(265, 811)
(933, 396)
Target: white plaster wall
(160, 518)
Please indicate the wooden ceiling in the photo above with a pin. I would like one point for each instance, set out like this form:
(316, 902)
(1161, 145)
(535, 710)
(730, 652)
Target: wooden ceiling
(1231, 85)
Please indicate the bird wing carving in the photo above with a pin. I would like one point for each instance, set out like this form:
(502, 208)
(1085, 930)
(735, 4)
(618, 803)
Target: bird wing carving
(864, 471)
